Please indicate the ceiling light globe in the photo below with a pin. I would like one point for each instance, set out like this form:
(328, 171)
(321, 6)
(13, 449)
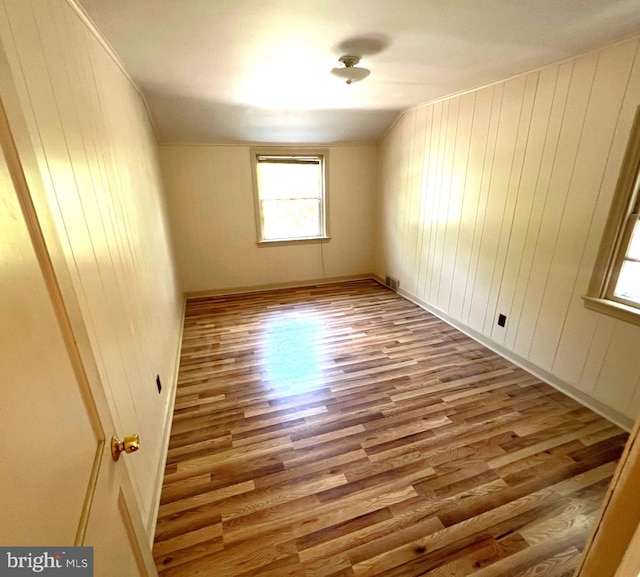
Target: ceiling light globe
(351, 74)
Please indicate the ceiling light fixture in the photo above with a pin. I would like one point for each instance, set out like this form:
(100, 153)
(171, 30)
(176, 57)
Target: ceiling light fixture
(350, 73)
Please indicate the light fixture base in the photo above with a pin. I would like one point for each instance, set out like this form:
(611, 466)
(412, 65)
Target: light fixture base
(349, 61)
(350, 73)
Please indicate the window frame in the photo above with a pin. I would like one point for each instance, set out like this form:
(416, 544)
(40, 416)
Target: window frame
(600, 296)
(292, 152)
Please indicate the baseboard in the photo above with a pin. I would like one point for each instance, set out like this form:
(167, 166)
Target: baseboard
(166, 434)
(274, 286)
(584, 399)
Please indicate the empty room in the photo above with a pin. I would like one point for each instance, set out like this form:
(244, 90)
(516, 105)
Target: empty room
(320, 289)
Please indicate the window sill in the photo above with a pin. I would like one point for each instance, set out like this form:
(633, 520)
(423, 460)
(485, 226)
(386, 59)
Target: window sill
(613, 309)
(284, 242)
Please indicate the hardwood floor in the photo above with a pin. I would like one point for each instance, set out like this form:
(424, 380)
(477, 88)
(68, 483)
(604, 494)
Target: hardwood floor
(340, 430)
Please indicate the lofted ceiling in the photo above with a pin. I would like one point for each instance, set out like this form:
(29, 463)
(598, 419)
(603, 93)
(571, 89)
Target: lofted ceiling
(259, 70)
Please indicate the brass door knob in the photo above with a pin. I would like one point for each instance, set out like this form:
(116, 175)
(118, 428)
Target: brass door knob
(130, 444)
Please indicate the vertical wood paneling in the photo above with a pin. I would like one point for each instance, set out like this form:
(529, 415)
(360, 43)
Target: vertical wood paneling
(445, 199)
(473, 176)
(620, 367)
(403, 146)
(607, 91)
(415, 207)
(580, 325)
(538, 158)
(541, 192)
(384, 216)
(555, 203)
(436, 158)
(422, 238)
(406, 191)
(519, 252)
(634, 405)
(481, 210)
(456, 197)
(97, 157)
(604, 328)
(426, 205)
(512, 183)
(211, 208)
(498, 182)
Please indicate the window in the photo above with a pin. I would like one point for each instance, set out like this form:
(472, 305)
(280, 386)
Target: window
(615, 285)
(291, 197)
(627, 284)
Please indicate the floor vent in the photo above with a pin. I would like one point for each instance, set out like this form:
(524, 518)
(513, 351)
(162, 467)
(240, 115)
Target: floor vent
(392, 283)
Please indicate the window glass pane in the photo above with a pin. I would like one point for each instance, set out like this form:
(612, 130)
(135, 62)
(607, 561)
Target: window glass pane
(281, 180)
(628, 286)
(634, 245)
(297, 218)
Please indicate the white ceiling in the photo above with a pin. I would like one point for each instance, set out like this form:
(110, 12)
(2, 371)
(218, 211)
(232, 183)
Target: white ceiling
(259, 70)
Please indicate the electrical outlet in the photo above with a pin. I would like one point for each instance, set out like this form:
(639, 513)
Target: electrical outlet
(158, 384)
(502, 320)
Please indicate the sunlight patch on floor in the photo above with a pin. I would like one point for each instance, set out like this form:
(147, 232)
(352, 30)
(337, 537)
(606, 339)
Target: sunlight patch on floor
(292, 354)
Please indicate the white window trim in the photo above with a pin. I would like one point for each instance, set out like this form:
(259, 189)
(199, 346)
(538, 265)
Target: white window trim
(291, 151)
(616, 238)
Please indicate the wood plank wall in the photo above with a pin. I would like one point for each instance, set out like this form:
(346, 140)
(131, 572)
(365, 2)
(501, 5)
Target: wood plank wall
(495, 202)
(211, 207)
(97, 156)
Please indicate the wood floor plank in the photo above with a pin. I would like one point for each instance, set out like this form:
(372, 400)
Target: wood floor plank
(341, 431)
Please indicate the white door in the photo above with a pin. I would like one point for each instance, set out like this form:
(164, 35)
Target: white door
(59, 485)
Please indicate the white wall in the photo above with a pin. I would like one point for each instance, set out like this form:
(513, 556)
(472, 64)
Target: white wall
(211, 207)
(495, 202)
(97, 156)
